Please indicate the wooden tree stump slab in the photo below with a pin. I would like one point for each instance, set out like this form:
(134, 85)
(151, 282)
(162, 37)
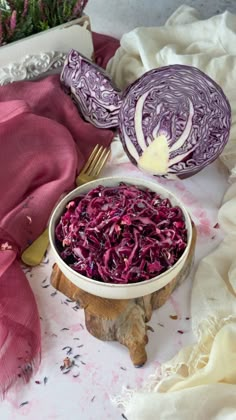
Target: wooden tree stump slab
(121, 320)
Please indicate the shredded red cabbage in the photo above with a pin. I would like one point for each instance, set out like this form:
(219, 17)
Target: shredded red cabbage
(121, 234)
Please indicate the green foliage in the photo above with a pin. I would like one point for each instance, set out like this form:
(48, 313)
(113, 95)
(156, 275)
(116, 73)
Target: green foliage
(21, 18)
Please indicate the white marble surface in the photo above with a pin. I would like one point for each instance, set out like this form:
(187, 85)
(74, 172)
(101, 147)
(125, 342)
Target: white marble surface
(102, 368)
(116, 17)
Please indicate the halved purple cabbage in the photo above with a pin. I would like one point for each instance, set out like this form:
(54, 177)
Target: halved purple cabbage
(92, 90)
(121, 234)
(174, 120)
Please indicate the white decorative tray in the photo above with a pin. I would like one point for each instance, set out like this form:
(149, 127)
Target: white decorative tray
(32, 67)
(44, 53)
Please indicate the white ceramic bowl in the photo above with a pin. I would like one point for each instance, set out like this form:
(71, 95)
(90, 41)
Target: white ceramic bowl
(118, 291)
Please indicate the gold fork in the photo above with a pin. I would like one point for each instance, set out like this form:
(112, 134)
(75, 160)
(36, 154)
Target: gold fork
(94, 165)
(33, 255)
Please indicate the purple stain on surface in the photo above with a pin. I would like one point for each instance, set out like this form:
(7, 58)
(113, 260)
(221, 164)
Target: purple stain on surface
(115, 378)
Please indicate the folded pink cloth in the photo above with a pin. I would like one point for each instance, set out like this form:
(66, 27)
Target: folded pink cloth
(44, 143)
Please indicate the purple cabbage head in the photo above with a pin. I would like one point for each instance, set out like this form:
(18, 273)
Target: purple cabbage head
(174, 121)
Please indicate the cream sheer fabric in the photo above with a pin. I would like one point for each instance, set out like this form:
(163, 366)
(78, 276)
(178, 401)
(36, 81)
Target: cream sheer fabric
(200, 381)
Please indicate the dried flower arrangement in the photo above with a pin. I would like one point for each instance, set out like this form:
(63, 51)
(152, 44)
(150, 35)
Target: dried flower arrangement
(21, 18)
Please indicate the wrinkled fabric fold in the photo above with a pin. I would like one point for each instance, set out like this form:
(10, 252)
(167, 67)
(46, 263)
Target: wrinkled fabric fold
(19, 320)
(44, 143)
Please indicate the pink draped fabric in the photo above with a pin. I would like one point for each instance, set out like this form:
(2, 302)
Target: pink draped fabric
(44, 143)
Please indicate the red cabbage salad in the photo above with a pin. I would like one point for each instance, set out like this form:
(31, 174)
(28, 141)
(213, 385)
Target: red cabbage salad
(121, 234)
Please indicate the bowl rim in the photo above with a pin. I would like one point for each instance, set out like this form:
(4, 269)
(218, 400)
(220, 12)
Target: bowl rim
(133, 181)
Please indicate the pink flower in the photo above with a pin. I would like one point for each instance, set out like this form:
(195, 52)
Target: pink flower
(26, 5)
(13, 21)
(79, 7)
